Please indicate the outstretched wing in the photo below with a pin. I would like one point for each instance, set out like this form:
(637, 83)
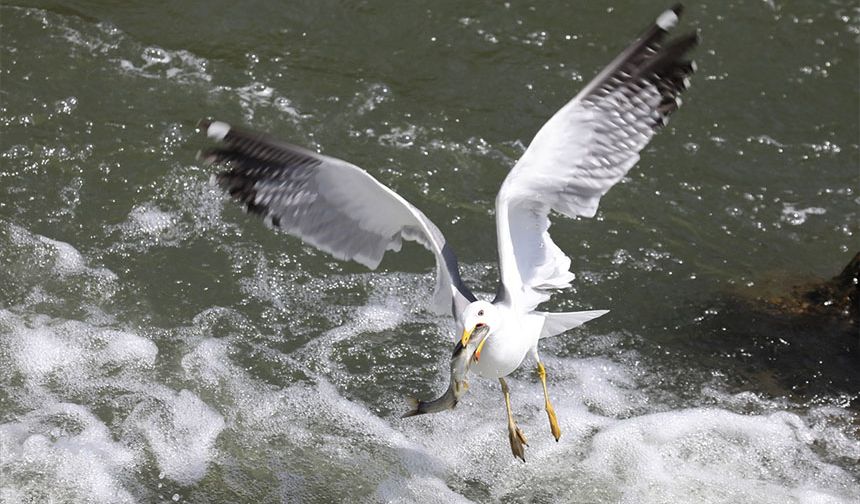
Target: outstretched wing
(331, 204)
(581, 152)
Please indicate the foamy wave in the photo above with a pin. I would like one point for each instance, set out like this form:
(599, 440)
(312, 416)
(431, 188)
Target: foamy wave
(63, 452)
(181, 431)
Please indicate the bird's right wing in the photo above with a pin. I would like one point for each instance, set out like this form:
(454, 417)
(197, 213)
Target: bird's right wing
(581, 152)
(329, 203)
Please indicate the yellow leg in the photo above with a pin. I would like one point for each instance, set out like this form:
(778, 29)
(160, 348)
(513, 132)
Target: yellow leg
(517, 438)
(550, 411)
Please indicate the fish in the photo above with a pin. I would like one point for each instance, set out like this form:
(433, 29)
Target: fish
(461, 361)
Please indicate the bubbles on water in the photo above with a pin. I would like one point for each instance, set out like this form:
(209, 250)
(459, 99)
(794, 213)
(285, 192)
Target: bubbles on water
(66, 106)
(67, 260)
(401, 138)
(38, 267)
(158, 63)
(156, 56)
(825, 147)
(691, 147)
(286, 105)
(796, 217)
(56, 448)
(606, 387)
(184, 207)
(768, 141)
(172, 138)
(258, 96)
(487, 36)
(643, 259)
(370, 98)
(149, 220)
(536, 38)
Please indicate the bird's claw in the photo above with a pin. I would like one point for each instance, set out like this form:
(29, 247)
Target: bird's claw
(518, 441)
(553, 422)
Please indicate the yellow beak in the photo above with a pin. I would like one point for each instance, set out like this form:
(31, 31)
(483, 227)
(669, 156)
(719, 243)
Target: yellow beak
(466, 335)
(480, 346)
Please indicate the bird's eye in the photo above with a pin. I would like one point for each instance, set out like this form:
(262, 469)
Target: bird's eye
(480, 313)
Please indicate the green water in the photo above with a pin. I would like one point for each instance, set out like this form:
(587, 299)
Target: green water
(157, 344)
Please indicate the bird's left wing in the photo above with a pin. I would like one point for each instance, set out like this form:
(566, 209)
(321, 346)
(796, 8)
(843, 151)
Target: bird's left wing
(580, 153)
(329, 203)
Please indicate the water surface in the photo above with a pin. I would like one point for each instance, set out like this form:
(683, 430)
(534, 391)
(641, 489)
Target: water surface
(156, 344)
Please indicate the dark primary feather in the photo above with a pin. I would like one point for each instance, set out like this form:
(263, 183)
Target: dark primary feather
(637, 92)
(646, 65)
(285, 185)
(255, 157)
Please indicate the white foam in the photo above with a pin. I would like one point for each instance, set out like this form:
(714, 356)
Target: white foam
(105, 41)
(68, 259)
(254, 96)
(188, 207)
(609, 450)
(415, 488)
(208, 362)
(74, 351)
(319, 430)
(181, 66)
(797, 216)
(715, 455)
(50, 261)
(151, 220)
(156, 56)
(603, 385)
(65, 452)
(127, 349)
(181, 431)
(40, 352)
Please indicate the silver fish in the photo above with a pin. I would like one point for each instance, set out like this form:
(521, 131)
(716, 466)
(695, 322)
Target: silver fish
(461, 360)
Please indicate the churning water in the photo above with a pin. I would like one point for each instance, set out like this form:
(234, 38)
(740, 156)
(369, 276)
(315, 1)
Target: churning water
(157, 345)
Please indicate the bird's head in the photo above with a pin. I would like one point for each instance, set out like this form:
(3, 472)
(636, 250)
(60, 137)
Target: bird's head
(480, 319)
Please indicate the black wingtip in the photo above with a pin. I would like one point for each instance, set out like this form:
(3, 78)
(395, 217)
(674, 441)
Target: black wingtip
(678, 9)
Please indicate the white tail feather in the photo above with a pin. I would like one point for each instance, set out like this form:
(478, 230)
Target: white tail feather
(557, 323)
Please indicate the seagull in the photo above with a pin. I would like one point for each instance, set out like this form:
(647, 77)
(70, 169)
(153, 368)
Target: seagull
(574, 159)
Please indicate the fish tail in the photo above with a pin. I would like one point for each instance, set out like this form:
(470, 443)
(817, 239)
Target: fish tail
(446, 402)
(414, 408)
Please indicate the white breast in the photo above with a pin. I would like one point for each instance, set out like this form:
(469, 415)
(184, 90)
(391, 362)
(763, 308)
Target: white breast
(506, 347)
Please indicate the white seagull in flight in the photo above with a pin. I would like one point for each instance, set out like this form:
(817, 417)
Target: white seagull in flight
(573, 160)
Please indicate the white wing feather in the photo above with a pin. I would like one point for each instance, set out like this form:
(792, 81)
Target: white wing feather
(329, 203)
(580, 153)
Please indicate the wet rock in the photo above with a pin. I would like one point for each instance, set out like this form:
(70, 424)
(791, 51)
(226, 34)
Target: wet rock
(803, 343)
(837, 298)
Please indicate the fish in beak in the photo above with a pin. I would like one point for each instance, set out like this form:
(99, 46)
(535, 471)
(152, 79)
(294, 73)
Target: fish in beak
(461, 359)
(480, 330)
